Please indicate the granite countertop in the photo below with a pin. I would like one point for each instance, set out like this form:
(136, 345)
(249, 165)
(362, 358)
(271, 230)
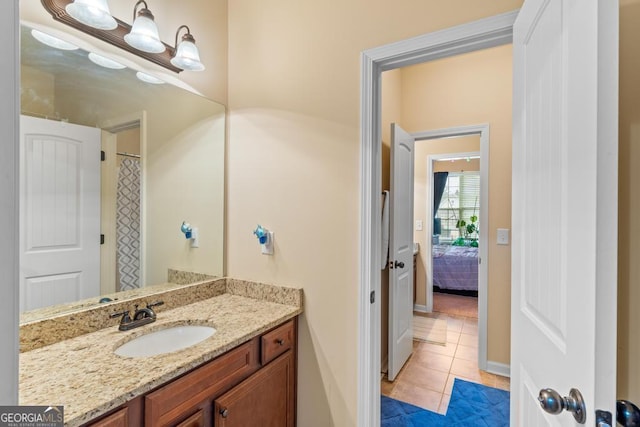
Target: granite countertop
(88, 379)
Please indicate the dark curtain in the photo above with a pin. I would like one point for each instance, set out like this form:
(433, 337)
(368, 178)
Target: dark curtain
(439, 182)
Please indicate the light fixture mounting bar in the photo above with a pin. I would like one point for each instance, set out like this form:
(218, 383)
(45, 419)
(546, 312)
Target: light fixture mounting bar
(115, 37)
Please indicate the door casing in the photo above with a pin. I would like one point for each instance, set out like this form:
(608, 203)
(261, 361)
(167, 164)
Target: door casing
(9, 159)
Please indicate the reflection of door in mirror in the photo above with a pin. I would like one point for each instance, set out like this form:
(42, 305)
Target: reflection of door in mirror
(60, 211)
(121, 173)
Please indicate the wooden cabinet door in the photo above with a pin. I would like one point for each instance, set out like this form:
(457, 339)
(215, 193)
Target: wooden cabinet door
(131, 414)
(195, 420)
(117, 419)
(171, 403)
(265, 399)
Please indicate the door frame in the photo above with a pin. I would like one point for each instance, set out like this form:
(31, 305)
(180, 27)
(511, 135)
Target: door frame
(482, 131)
(9, 160)
(485, 33)
(118, 124)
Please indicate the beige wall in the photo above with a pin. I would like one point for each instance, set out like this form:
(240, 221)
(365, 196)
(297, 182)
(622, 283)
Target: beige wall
(457, 165)
(293, 164)
(629, 205)
(39, 99)
(185, 182)
(128, 141)
(423, 150)
(207, 20)
(463, 90)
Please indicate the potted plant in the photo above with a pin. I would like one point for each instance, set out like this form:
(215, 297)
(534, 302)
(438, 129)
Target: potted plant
(470, 232)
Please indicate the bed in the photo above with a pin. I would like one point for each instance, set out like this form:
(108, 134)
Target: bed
(455, 267)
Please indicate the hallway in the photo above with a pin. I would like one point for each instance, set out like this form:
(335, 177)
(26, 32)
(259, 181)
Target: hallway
(427, 378)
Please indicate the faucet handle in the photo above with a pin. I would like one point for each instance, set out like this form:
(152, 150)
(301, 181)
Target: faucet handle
(125, 316)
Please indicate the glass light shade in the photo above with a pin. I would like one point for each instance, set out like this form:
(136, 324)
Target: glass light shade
(94, 13)
(144, 35)
(187, 57)
(52, 41)
(148, 78)
(105, 62)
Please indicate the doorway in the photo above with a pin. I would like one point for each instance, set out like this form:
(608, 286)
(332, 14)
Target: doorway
(427, 379)
(490, 33)
(451, 274)
(121, 219)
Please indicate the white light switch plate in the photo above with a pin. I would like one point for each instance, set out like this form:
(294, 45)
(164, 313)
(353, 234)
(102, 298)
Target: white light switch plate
(195, 243)
(418, 225)
(503, 236)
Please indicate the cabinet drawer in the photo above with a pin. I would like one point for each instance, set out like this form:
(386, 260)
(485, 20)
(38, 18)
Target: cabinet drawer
(169, 403)
(276, 342)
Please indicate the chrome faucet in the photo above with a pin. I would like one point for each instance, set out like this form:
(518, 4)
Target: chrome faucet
(142, 316)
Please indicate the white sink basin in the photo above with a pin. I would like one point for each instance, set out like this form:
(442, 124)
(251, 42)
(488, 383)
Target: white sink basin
(165, 341)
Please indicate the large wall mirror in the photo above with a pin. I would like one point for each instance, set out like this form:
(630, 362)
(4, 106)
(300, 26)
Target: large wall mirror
(112, 163)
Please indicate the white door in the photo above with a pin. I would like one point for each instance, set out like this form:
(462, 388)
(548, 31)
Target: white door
(563, 331)
(400, 250)
(59, 212)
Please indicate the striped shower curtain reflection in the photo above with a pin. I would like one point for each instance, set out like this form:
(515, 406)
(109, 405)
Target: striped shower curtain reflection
(128, 225)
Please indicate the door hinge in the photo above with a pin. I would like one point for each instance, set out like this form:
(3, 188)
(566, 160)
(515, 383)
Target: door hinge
(103, 156)
(603, 418)
(102, 239)
(372, 297)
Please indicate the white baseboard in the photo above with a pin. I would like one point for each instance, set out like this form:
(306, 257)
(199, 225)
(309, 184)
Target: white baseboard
(420, 308)
(499, 368)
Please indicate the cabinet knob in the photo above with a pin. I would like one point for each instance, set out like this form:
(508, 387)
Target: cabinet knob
(280, 341)
(224, 413)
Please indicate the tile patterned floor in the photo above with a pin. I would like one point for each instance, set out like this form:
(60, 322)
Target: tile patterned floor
(426, 380)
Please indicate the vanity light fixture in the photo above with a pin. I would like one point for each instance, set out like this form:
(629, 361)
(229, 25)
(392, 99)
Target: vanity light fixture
(105, 62)
(187, 56)
(144, 32)
(94, 13)
(52, 41)
(141, 38)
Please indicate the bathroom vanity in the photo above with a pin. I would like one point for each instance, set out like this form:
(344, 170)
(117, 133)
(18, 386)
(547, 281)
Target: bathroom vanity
(243, 375)
(253, 383)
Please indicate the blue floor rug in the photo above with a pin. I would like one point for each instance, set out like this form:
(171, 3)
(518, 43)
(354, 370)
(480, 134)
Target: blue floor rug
(471, 405)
